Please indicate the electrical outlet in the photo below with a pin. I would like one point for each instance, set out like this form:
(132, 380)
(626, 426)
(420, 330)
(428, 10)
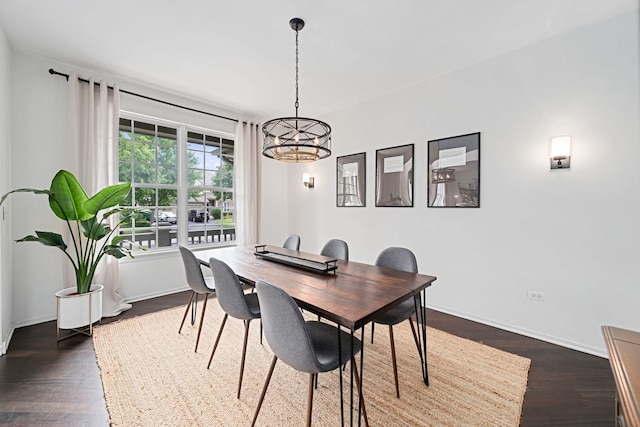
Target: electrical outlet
(536, 296)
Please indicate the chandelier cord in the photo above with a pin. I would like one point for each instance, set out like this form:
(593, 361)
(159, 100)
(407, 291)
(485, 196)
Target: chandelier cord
(297, 104)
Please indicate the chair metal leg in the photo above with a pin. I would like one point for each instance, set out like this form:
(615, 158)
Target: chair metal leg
(215, 345)
(264, 390)
(204, 309)
(357, 378)
(393, 360)
(244, 354)
(186, 311)
(310, 399)
(373, 325)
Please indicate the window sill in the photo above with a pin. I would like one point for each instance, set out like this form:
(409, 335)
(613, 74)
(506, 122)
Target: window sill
(171, 251)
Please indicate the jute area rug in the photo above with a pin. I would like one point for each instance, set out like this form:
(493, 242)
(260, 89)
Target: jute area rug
(153, 377)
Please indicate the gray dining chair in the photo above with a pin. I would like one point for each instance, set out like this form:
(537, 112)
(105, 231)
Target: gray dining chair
(399, 259)
(336, 248)
(235, 303)
(199, 285)
(292, 242)
(306, 346)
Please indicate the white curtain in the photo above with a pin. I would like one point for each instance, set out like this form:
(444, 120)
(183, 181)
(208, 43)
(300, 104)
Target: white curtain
(92, 138)
(248, 143)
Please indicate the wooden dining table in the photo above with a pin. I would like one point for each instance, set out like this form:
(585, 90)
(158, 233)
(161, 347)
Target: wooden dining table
(351, 295)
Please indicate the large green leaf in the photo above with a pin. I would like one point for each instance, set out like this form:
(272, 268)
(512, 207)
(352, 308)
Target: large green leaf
(24, 190)
(94, 230)
(117, 251)
(124, 212)
(67, 197)
(107, 197)
(122, 242)
(118, 239)
(46, 238)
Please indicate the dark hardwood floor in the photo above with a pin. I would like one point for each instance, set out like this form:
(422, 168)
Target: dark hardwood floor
(47, 383)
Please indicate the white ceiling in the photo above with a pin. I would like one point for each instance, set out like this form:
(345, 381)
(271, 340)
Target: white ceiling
(241, 54)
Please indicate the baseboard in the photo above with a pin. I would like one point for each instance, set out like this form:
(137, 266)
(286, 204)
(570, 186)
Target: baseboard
(4, 346)
(600, 352)
(35, 321)
(156, 294)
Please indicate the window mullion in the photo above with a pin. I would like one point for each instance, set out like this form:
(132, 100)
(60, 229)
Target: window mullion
(183, 188)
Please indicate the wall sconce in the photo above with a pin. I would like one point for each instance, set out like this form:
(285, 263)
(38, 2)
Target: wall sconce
(560, 152)
(307, 180)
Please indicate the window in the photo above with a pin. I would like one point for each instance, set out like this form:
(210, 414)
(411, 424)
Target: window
(182, 178)
(210, 181)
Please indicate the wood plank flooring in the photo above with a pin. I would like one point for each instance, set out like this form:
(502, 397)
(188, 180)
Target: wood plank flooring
(47, 383)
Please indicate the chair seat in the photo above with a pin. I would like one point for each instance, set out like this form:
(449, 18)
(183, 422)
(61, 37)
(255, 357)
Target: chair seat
(398, 314)
(325, 345)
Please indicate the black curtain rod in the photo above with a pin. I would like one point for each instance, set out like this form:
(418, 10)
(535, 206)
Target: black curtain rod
(54, 72)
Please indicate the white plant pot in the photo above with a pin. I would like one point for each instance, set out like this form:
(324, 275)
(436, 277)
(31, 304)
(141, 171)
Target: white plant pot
(79, 310)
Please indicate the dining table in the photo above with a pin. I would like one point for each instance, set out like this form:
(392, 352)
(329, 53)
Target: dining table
(349, 293)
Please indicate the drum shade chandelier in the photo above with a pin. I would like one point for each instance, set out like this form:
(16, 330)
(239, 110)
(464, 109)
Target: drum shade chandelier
(296, 139)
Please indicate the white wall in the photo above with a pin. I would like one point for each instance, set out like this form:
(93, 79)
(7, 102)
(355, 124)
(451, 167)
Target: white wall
(6, 324)
(572, 234)
(275, 221)
(39, 120)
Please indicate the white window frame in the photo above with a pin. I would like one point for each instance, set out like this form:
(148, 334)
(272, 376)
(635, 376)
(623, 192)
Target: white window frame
(182, 172)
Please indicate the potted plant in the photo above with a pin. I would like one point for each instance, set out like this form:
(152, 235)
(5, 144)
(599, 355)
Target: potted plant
(91, 239)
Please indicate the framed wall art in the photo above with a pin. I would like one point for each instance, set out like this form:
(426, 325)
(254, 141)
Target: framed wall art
(454, 172)
(351, 180)
(394, 176)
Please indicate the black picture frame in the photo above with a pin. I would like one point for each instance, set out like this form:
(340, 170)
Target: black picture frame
(394, 176)
(351, 180)
(454, 172)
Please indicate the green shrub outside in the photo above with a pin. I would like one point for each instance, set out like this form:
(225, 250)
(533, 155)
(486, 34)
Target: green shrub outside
(215, 213)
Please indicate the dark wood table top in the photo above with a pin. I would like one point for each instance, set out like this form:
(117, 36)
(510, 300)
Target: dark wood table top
(355, 295)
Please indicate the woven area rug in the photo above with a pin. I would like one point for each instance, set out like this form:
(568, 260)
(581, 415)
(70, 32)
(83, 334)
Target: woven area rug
(152, 377)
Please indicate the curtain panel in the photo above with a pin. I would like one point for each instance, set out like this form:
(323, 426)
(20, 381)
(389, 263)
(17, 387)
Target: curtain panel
(247, 147)
(92, 148)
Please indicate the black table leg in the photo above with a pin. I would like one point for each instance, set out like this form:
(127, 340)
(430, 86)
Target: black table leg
(340, 361)
(351, 378)
(360, 402)
(420, 301)
(351, 382)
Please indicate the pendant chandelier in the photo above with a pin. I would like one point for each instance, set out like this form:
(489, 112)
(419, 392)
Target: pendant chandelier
(296, 139)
